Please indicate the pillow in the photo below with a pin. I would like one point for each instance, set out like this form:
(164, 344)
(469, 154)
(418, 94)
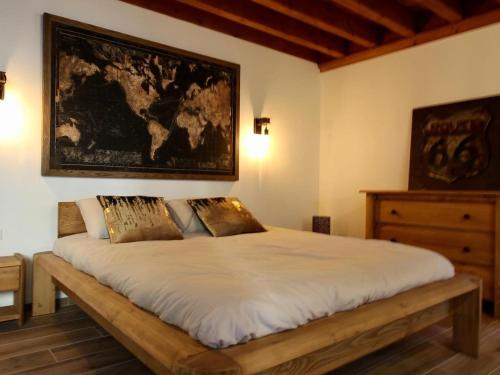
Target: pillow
(185, 217)
(225, 216)
(93, 217)
(138, 218)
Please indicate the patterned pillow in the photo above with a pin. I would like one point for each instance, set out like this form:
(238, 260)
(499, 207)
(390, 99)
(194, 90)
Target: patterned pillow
(138, 218)
(225, 216)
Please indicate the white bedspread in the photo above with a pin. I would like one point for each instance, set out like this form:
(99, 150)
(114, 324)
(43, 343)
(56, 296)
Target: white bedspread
(228, 290)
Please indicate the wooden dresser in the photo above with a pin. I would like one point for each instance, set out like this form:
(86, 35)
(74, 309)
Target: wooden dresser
(463, 226)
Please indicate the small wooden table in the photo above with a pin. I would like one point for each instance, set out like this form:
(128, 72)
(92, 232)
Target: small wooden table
(12, 270)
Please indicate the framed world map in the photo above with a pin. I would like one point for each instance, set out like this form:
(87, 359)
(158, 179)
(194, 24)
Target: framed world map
(120, 106)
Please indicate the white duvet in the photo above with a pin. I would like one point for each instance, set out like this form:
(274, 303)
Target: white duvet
(229, 290)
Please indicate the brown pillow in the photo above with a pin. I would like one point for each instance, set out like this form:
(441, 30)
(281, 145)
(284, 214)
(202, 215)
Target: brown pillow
(225, 216)
(138, 218)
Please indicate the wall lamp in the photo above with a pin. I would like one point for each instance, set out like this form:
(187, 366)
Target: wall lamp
(3, 80)
(259, 123)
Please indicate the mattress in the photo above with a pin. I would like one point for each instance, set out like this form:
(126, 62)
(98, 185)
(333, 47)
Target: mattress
(228, 290)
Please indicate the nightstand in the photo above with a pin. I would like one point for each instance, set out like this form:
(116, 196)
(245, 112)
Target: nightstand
(321, 224)
(12, 271)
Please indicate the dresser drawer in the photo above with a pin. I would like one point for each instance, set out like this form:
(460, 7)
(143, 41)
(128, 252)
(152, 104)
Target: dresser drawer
(485, 273)
(475, 216)
(9, 279)
(459, 246)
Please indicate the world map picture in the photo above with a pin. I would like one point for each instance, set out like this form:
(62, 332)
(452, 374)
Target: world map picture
(124, 107)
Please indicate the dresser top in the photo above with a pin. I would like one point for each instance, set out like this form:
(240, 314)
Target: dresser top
(455, 193)
(10, 261)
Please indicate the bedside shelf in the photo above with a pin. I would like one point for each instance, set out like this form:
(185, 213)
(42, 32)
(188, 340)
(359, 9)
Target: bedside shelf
(8, 313)
(12, 270)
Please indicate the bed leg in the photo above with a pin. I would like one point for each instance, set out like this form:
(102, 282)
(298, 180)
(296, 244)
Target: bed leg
(467, 323)
(44, 290)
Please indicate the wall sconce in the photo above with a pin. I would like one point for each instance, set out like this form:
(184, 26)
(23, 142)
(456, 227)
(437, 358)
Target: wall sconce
(259, 123)
(3, 80)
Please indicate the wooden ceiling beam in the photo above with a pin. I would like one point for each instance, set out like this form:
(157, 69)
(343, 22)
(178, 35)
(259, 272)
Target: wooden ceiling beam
(327, 18)
(173, 9)
(466, 24)
(389, 14)
(272, 23)
(448, 10)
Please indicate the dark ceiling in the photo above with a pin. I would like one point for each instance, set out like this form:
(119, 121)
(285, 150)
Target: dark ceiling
(333, 33)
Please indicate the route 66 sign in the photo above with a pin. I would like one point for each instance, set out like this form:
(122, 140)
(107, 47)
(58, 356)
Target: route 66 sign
(456, 146)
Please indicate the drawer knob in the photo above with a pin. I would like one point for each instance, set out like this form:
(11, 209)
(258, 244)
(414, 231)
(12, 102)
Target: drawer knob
(394, 212)
(467, 249)
(393, 239)
(466, 216)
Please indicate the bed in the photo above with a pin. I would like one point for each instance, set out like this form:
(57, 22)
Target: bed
(322, 344)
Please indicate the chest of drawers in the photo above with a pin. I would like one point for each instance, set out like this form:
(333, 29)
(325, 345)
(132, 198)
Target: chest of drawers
(463, 226)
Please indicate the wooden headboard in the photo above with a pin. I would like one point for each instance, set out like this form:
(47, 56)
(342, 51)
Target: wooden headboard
(69, 219)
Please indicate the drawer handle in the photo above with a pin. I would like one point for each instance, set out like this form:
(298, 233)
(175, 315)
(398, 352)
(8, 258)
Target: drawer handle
(467, 249)
(466, 216)
(393, 239)
(394, 212)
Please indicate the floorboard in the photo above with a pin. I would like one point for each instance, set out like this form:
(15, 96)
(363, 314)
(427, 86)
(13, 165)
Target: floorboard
(488, 362)
(24, 362)
(69, 342)
(84, 364)
(429, 352)
(84, 348)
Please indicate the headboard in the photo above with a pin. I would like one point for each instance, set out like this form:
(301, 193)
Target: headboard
(69, 219)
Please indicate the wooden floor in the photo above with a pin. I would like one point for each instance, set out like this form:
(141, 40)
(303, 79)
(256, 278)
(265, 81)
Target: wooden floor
(69, 342)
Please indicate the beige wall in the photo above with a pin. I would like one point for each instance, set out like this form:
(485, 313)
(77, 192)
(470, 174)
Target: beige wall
(366, 115)
(282, 189)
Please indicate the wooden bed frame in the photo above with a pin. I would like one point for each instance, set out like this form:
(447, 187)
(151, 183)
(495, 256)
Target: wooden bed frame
(315, 348)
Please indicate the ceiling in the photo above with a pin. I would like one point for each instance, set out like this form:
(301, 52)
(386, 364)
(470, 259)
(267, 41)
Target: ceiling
(333, 33)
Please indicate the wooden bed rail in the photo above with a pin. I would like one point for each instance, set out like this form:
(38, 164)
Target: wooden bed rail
(317, 347)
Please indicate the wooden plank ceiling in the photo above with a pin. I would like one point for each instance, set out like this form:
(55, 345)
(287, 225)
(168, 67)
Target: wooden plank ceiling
(333, 33)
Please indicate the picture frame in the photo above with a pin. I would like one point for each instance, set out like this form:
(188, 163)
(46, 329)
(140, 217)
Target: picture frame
(124, 107)
(456, 146)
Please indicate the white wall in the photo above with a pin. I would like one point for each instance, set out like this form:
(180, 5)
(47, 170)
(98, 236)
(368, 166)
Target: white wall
(280, 190)
(366, 115)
